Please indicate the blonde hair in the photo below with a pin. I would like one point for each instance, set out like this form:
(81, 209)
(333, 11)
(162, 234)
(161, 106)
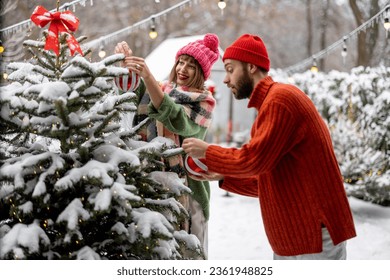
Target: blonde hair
(198, 80)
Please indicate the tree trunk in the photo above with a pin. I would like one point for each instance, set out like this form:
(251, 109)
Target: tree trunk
(366, 41)
(324, 27)
(309, 46)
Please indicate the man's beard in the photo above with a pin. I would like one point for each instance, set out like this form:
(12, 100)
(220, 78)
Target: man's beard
(244, 86)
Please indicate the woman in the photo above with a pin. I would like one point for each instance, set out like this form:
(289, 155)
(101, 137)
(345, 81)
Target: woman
(181, 108)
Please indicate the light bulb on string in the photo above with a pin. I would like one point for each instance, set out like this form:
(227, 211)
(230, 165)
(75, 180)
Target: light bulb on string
(314, 68)
(386, 22)
(152, 32)
(222, 5)
(1, 47)
(102, 52)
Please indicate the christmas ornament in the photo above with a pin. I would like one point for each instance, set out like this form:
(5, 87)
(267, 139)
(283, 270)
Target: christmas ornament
(195, 166)
(128, 82)
(210, 86)
(60, 22)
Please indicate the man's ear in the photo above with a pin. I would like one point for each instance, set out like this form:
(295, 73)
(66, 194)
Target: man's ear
(252, 68)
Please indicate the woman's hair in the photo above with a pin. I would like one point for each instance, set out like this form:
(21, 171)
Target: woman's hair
(198, 80)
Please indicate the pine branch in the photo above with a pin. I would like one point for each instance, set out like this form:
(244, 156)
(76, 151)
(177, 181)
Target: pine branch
(100, 129)
(44, 63)
(62, 112)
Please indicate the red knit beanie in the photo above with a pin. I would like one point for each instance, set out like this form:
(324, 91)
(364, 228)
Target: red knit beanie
(248, 48)
(204, 51)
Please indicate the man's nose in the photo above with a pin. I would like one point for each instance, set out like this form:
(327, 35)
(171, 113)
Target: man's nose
(225, 80)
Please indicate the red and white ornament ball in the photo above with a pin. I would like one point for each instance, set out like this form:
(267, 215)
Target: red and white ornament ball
(128, 82)
(195, 166)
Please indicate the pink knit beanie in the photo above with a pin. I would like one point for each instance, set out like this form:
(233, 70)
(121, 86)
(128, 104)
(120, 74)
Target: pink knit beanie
(204, 51)
(248, 48)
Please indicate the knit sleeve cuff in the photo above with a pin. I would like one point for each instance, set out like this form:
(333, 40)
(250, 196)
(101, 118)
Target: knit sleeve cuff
(246, 187)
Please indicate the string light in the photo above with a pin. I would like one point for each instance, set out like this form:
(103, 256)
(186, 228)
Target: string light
(102, 52)
(153, 33)
(108, 38)
(386, 22)
(1, 47)
(27, 22)
(336, 44)
(314, 68)
(222, 4)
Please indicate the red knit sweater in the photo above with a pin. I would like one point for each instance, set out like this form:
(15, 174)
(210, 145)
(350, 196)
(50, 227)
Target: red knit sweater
(290, 165)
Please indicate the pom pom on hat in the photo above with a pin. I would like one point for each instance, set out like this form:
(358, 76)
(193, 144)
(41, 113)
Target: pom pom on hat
(204, 51)
(195, 166)
(249, 48)
(128, 82)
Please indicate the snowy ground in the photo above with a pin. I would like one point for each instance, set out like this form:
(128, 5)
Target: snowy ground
(236, 231)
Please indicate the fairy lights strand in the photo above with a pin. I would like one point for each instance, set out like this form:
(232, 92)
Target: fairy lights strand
(108, 38)
(295, 67)
(27, 22)
(324, 52)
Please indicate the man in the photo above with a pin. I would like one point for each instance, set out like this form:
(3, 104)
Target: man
(289, 163)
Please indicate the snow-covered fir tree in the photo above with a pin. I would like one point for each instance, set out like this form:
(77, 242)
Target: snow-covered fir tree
(74, 185)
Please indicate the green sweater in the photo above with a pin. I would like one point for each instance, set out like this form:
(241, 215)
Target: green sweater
(174, 118)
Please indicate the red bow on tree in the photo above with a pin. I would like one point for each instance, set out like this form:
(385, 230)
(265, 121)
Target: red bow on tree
(60, 22)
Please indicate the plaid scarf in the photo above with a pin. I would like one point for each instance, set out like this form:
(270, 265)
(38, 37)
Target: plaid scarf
(198, 106)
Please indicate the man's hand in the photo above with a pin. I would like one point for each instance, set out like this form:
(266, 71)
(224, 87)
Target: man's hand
(209, 176)
(195, 148)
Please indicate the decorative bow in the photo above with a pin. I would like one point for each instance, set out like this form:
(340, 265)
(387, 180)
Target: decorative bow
(60, 22)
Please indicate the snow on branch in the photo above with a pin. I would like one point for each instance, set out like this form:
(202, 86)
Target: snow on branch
(170, 181)
(148, 221)
(23, 236)
(29, 164)
(25, 72)
(72, 213)
(87, 253)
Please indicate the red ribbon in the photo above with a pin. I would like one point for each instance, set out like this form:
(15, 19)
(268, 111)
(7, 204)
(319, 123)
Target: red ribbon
(60, 22)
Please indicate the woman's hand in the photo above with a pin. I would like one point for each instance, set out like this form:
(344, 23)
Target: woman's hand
(138, 65)
(123, 48)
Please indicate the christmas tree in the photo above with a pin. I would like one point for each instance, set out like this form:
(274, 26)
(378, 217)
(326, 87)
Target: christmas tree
(74, 185)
